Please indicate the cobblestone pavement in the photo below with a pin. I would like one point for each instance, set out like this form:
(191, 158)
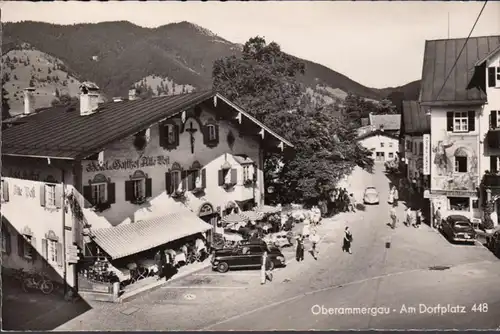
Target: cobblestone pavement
(207, 299)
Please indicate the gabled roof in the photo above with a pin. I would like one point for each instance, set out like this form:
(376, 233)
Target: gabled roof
(439, 57)
(415, 119)
(62, 133)
(377, 133)
(389, 122)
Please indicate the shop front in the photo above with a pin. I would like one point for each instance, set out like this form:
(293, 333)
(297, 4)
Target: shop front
(126, 257)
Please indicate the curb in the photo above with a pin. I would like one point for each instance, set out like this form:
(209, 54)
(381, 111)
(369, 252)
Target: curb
(153, 286)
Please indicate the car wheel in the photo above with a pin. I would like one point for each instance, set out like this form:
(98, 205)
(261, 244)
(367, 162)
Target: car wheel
(270, 265)
(222, 267)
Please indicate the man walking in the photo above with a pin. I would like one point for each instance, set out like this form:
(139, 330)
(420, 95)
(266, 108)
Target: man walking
(437, 218)
(394, 217)
(346, 247)
(314, 239)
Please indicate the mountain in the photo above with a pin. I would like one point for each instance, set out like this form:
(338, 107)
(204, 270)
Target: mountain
(117, 55)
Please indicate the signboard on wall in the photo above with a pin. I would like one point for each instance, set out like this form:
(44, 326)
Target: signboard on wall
(426, 159)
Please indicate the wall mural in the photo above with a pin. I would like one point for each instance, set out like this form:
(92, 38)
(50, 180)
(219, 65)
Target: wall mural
(444, 176)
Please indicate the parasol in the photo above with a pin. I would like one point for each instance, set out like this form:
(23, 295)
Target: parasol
(252, 215)
(234, 218)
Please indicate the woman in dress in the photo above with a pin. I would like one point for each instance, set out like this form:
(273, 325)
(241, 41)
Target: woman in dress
(299, 252)
(346, 247)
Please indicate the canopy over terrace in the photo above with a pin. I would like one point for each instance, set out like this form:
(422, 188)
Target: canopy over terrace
(129, 239)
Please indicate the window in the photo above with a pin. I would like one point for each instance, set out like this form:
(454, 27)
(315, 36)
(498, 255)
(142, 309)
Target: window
(212, 135)
(414, 150)
(390, 144)
(246, 173)
(475, 204)
(495, 119)
(460, 121)
(408, 145)
(493, 77)
(176, 179)
(382, 144)
(459, 203)
(421, 148)
(391, 155)
(5, 241)
(99, 193)
(461, 164)
(139, 188)
(170, 129)
(50, 195)
(28, 250)
(2, 192)
(52, 251)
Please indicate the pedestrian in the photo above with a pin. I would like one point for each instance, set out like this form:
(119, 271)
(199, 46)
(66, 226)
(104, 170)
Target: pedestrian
(161, 262)
(408, 217)
(419, 218)
(394, 217)
(346, 246)
(266, 274)
(395, 196)
(352, 203)
(314, 239)
(299, 252)
(438, 218)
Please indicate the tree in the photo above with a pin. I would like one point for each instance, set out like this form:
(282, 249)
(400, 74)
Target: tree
(64, 100)
(5, 105)
(264, 82)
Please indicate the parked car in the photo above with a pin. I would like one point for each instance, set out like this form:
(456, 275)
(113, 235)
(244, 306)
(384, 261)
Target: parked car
(371, 196)
(246, 255)
(493, 241)
(458, 228)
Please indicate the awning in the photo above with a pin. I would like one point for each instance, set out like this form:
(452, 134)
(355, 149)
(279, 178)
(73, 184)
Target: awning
(125, 240)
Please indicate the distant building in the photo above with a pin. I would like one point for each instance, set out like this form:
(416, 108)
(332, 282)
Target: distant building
(384, 146)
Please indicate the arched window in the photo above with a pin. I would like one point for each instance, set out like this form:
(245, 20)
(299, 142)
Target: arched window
(169, 135)
(196, 177)
(212, 135)
(49, 190)
(99, 187)
(174, 179)
(461, 160)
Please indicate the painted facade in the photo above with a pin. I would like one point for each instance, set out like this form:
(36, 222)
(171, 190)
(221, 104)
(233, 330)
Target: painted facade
(455, 170)
(122, 160)
(384, 148)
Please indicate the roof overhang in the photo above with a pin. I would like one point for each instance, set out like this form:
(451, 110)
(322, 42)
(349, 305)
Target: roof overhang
(471, 103)
(488, 56)
(377, 133)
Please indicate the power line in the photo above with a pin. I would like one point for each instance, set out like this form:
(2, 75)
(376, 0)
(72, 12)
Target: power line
(463, 48)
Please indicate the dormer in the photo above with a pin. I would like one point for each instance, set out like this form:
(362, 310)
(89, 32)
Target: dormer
(89, 98)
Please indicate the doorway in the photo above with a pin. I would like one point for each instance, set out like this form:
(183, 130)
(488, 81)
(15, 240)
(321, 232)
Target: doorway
(379, 156)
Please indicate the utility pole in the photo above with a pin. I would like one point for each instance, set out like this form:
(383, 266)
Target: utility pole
(448, 25)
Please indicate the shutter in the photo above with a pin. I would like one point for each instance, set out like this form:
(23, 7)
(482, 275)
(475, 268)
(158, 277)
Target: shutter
(45, 253)
(34, 251)
(449, 121)
(111, 193)
(203, 178)
(491, 77)
(162, 134)
(204, 130)
(176, 132)
(184, 180)
(20, 245)
(59, 254)
(87, 196)
(42, 194)
(472, 120)
(191, 180)
(168, 183)
(493, 164)
(234, 176)
(149, 187)
(5, 191)
(221, 177)
(216, 127)
(8, 240)
(129, 191)
(493, 119)
(58, 194)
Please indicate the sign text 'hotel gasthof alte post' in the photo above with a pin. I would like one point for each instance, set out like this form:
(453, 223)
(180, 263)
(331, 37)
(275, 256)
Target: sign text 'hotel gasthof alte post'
(124, 164)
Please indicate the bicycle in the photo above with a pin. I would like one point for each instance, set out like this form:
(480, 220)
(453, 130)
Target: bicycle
(39, 281)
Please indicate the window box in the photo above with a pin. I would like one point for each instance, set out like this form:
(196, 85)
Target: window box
(139, 200)
(228, 185)
(179, 193)
(100, 207)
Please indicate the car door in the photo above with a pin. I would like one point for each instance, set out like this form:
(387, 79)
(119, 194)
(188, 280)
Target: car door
(255, 256)
(238, 258)
(447, 227)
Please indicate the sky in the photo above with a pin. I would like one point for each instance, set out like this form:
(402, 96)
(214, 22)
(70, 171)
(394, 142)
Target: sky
(378, 44)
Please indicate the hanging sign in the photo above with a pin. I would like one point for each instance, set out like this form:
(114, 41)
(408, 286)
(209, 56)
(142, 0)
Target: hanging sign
(426, 159)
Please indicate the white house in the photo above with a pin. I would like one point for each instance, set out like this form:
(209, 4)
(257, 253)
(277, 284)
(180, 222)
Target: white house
(459, 120)
(78, 174)
(385, 146)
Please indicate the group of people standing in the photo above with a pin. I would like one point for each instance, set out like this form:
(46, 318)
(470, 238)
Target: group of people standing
(343, 201)
(412, 218)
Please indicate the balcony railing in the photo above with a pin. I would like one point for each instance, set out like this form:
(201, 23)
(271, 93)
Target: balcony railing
(491, 181)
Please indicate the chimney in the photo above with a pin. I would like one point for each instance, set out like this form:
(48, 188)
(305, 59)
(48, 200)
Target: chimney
(132, 94)
(29, 100)
(89, 98)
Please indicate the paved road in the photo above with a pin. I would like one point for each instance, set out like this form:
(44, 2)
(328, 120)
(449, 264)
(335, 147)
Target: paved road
(372, 276)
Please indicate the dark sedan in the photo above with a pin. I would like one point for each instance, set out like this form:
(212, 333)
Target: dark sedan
(246, 255)
(493, 241)
(458, 228)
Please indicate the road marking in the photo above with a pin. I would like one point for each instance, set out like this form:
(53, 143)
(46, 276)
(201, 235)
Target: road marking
(204, 287)
(244, 314)
(227, 274)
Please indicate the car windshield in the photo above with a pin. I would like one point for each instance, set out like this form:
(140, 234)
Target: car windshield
(371, 191)
(461, 224)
